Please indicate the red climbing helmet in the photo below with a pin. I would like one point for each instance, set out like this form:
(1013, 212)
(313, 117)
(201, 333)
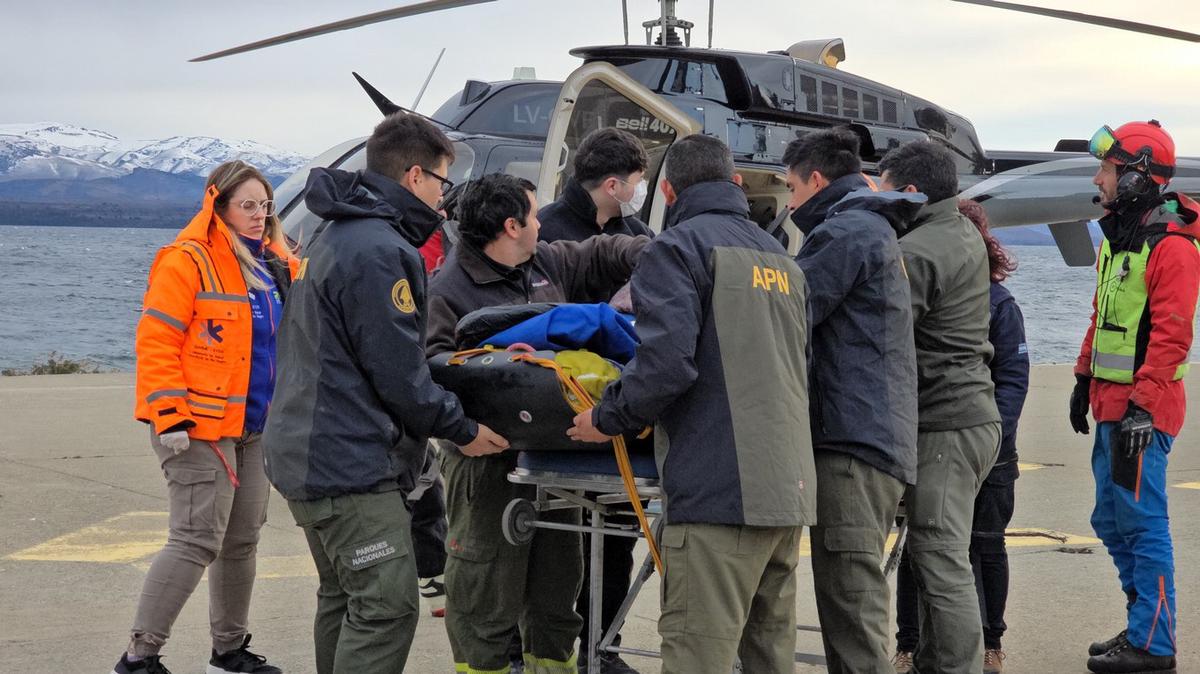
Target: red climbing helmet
(1142, 144)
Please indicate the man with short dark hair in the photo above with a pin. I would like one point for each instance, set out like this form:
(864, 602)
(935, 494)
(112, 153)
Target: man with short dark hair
(958, 424)
(603, 197)
(605, 193)
(491, 586)
(721, 371)
(355, 404)
(863, 383)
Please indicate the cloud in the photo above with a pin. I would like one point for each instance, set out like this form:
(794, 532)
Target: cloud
(121, 66)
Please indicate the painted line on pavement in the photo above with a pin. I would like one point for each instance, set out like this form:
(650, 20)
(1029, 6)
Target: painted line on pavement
(1187, 485)
(121, 539)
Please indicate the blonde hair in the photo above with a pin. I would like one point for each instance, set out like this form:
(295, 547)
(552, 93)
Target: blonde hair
(227, 178)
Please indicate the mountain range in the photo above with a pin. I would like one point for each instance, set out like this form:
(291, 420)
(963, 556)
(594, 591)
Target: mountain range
(60, 174)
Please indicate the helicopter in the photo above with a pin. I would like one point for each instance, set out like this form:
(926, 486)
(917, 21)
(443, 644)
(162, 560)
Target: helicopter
(756, 102)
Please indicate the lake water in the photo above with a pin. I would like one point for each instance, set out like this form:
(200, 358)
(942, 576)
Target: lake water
(78, 291)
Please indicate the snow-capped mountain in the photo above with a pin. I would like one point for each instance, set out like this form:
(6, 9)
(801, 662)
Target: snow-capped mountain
(49, 151)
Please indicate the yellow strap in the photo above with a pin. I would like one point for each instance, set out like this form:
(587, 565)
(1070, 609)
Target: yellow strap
(580, 400)
(461, 357)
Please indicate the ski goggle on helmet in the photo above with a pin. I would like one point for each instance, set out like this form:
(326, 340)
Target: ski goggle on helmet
(1140, 144)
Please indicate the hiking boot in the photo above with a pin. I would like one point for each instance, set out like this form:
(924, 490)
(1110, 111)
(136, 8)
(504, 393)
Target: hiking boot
(993, 661)
(240, 661)
(1125, 658)
(902, 661)
(1102, 647)
(433, 595)
(147, 665)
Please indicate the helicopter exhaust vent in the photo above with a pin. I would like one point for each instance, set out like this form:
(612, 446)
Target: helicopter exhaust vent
(828, 52)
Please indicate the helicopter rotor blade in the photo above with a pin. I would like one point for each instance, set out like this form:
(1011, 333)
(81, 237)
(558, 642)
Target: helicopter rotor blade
(344, 24)
(1119, 24)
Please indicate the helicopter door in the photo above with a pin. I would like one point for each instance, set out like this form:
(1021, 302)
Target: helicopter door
(596, 96)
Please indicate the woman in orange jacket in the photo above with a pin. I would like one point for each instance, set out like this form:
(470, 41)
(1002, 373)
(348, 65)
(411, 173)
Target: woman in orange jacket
(205, 377)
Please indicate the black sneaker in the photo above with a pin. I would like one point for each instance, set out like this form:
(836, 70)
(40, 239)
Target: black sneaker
(240, 661)
(147, 665)
(1102, 647)
(1125, 658)
(610, 663)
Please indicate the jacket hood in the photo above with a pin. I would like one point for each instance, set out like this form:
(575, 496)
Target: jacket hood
(718, 195)
(206, 223)
(814, 211)
(1186, 214)
(343, 195)
(899, 208)
(1171, 212)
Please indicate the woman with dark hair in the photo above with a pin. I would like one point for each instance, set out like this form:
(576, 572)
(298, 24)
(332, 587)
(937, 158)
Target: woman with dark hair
(994, 503)
(205, 378)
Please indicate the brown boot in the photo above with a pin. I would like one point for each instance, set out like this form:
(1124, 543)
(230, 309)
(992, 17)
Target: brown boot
(993, 661)
(902, 661)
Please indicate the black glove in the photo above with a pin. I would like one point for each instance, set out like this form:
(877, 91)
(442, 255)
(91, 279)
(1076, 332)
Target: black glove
(1137, 429)
(1080, 403)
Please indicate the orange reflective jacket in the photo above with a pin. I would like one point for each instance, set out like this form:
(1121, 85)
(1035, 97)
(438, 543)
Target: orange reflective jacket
(194, 339)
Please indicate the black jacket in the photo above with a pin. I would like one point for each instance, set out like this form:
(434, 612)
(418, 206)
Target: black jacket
(864, 375)
(354, 404)
(1010, 373)
(573, 218)
(721, 370)
(564, 271)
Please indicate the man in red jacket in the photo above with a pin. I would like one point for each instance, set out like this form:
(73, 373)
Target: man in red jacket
(1130, 369)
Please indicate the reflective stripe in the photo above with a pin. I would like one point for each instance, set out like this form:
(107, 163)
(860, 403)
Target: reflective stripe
(237, 399)
(166, 318)
(205, 406)
(550, 666)
(224, 297)
(203, 258)
(166, 393)
(1113, 361)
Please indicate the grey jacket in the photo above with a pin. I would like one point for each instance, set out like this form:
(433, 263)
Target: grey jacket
(864, 373)
(721, 370)
(947, 269)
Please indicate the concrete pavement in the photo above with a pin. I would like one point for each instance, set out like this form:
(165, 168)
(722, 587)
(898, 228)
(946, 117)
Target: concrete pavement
(83, 509)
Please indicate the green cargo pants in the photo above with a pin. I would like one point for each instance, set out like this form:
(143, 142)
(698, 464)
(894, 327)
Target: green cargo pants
(728, 591)
(951, 466)
(856, 505)
(367, 599)
(493, 587)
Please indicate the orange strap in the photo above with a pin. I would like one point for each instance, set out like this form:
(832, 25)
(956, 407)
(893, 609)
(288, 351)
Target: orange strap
(580, 400)
(225, 462)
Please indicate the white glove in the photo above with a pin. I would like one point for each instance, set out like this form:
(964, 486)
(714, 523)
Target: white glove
(176, 441)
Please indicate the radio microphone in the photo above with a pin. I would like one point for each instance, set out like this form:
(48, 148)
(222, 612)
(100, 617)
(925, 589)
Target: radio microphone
(1096, 200)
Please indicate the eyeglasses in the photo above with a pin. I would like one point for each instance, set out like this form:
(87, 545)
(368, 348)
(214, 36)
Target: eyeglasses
(447, 185)
(251, 207)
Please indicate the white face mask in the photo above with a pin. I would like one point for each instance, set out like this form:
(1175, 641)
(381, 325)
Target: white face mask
(634, 205)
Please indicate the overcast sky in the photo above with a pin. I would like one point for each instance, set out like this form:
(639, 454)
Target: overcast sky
(121, 65)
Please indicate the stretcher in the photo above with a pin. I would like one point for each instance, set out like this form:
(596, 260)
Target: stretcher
(590, 481)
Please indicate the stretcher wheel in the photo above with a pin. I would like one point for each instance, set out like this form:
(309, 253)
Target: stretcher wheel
(518, 521)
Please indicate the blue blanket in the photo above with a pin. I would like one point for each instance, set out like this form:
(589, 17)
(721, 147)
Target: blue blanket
(595, 327)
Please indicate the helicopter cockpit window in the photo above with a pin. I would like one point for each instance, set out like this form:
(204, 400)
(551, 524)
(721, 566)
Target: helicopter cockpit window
(829, 98)
(849, 102)
(694, 78)
(870, 107)
(808, 93)
(521, 110)
(600, 106)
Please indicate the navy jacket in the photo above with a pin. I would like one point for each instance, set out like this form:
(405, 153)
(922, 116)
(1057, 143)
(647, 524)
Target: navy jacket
(1010, 373)
(355, 405)
(864, 374)
(266, 310)
(572, 217)
(721, 369)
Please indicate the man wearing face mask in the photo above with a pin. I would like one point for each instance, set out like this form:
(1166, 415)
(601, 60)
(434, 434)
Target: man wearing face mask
(603, 196)
(863, 385)
(1130, 373)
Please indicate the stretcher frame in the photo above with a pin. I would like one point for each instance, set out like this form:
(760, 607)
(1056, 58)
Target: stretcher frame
(559, 491)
